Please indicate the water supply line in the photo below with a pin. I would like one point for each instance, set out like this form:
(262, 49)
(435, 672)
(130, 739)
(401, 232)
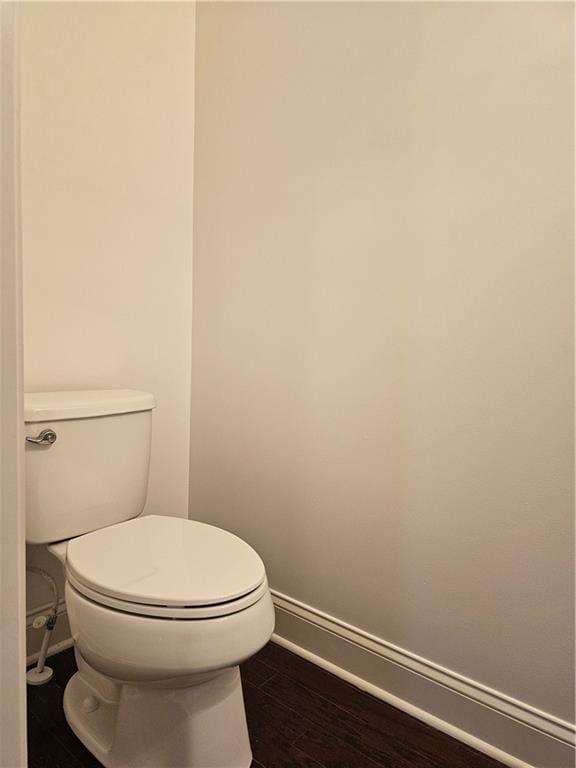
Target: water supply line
(41, 674)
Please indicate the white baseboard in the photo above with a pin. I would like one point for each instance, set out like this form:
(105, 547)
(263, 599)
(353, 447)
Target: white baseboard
(511, 731)
(53, 649)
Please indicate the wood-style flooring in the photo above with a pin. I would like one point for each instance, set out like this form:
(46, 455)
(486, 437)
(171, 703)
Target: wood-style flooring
(299, 716)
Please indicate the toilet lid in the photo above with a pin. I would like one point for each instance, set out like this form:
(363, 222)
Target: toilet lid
(167, 561)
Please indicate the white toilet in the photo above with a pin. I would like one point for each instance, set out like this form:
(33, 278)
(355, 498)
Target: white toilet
(162, 610)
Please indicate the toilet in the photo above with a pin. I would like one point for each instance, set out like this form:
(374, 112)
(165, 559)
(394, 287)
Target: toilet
(162, 610)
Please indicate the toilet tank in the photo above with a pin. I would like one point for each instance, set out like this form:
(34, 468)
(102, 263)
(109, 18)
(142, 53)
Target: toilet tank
(95, 473)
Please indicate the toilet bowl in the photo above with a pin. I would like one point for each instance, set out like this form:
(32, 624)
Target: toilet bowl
(162, 610)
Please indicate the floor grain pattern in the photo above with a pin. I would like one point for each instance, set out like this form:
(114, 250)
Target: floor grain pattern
(299, 716)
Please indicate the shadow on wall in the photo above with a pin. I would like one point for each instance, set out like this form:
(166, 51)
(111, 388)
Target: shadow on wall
(39, 598)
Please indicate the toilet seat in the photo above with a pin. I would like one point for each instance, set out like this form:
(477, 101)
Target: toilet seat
(168, 611)
(166, 567)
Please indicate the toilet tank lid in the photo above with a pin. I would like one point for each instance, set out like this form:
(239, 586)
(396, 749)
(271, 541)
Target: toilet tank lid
(81, 404)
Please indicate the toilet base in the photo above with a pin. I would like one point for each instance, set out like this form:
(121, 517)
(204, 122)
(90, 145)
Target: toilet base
(132, 726)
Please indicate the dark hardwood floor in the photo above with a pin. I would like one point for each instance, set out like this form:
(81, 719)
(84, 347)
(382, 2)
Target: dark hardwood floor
(299, 716)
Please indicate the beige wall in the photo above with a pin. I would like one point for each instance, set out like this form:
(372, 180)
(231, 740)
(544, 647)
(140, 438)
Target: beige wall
(107, 151)
(382, 346)
(12, 588)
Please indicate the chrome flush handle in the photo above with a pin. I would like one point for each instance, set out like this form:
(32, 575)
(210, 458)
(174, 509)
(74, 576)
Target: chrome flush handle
(46, 437)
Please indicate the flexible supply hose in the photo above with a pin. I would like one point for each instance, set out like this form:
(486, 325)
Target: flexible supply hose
(46, 576)
(52, 619)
